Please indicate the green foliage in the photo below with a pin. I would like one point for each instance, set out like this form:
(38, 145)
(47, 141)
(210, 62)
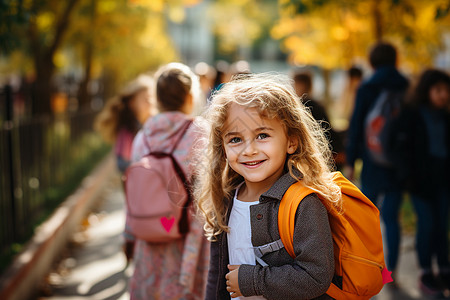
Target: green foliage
(408, 216)
(128, 40)
(100, 38)
(13, 17)
(79, 161)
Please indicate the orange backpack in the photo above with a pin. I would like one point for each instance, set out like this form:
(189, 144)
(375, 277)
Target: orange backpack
(357, 241)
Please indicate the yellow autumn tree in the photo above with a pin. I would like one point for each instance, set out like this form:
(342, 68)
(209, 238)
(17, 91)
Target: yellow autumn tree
(117, 40)
(114, 39)
(238, 23)
(333, 33)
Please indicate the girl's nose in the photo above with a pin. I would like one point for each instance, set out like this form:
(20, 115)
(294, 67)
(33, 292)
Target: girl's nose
(250, 148)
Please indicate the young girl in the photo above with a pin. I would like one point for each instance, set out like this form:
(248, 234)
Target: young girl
(124, 115)
(426, 161)
(261, 140)
(174, 270)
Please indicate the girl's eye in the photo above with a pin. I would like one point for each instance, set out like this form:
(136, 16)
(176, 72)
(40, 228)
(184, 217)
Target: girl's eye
(235, 140)
(262, 136)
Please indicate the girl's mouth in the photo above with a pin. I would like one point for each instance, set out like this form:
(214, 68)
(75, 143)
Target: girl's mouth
(253, 164)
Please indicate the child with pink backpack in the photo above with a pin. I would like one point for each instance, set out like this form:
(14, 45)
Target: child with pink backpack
(171, 253)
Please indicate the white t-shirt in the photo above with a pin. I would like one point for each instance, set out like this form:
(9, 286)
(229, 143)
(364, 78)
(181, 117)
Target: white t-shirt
(240, 247)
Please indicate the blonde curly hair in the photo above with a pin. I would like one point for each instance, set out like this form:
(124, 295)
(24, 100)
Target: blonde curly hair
(274, 97)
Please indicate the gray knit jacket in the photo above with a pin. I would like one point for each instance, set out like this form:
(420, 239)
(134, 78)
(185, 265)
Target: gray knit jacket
(308, 276)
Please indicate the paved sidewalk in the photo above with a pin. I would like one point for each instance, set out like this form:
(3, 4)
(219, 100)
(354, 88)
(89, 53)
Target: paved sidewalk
(94, 266)
(407, 275)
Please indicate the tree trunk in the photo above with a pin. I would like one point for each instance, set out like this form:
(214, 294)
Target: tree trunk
(377, 20)
(43, 86)
(43, 59)
(84, 96)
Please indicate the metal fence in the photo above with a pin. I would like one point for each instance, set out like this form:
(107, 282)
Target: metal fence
(41, 161)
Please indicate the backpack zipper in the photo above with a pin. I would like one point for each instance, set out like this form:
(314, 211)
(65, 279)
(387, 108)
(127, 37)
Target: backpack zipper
(363, 260)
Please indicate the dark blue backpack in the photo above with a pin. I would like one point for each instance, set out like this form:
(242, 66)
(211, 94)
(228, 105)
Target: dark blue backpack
(380, 126)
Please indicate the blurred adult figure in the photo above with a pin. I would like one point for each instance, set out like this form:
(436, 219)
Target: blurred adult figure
(424, 153)
(123, 116)
(172, 270)
(239, 67)
(303, 86)
(207, 75)
(377, 181)
(347, 103)
(222, 76)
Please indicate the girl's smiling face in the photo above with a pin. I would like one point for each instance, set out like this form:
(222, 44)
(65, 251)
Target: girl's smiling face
(256, 147)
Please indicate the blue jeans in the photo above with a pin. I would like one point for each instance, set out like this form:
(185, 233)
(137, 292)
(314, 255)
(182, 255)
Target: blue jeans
(390, 208)
(432, 229)
(122, 164)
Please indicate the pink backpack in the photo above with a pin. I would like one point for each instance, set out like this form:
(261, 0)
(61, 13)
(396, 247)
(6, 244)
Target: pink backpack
(157, 196)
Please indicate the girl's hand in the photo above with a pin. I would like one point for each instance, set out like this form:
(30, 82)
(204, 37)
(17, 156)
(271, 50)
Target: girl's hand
(232, 281)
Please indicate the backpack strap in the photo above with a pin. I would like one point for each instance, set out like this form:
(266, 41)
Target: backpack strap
(260, 251)
(183, 224)
(286, 222)
(287, 212)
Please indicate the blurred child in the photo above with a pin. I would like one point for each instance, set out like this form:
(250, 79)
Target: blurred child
(124, 115)
(425, 162)
(303, 88)
(222, 76)
(378, 182)
(173, 270)
(346, 105)
(261, 140)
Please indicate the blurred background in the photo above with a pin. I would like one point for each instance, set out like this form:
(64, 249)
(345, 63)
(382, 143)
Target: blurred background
(72, 55)
(60, 62)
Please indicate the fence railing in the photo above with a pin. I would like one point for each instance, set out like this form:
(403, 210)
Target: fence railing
(41, 161)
